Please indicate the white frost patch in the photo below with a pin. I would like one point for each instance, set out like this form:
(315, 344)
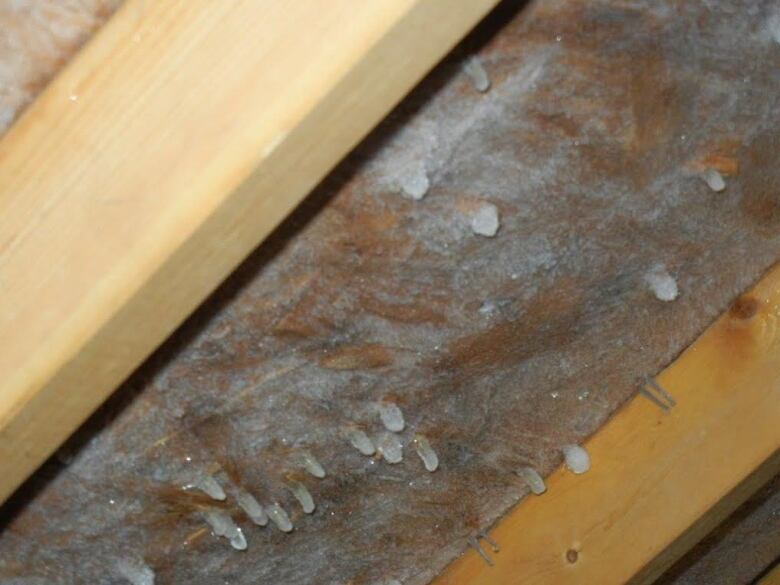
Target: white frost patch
(136, 572)
(773, 26)
(663, 284)
(714, 180)
(476, 73)
(426, 142)
(577, 458)
(485, 221)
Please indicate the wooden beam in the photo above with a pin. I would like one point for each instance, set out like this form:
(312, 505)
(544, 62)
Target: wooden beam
(659, 481)
(771, 578)
(157, 160)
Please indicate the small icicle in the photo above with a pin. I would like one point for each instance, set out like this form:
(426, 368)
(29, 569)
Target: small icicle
(209, 486)
(474, 543)
(361, 441)
(252, 507)
(713, 179)
(311, 465)
(391, 416)
(136, 572)
(577, 458)
(279, 517)
(390, 447)
(302, 495)
(493, 544)
(223, 525)
(426, 453)
(238, 540)
(475, 71)
(533, 479)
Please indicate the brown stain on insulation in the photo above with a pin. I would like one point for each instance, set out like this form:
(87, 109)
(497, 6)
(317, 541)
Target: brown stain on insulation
(550, 321)
(357, 357)
(761, 182)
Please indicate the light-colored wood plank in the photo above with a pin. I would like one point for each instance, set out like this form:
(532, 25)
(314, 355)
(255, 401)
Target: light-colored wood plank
(772, 578)
(659, 482)
(174, 143)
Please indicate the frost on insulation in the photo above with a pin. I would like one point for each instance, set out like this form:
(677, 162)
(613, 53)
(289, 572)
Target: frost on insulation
(136, 572)
(485, 221)
(773, 26)
(533, 479)
(303, 496)
(415, 183)
(252, 507)
(663, 284)
(476, 73)
(577, 458)
(391, 417)
(389, 445)
(361, 441)
(209, 486)
(223, 525)
(279, 517)
(714, 180)
(426, 453)
(311, 465)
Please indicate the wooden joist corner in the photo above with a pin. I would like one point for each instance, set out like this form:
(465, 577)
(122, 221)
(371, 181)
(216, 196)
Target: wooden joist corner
(157, 160)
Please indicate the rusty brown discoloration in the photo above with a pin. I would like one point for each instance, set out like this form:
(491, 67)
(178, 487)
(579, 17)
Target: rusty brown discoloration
(357, 357)
(550, 321)
(726, 165)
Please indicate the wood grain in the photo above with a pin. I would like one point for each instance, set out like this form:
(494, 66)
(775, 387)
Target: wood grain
(659, 482)
(169, 148)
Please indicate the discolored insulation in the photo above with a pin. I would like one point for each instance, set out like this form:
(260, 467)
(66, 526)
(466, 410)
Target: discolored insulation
(591, 139)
